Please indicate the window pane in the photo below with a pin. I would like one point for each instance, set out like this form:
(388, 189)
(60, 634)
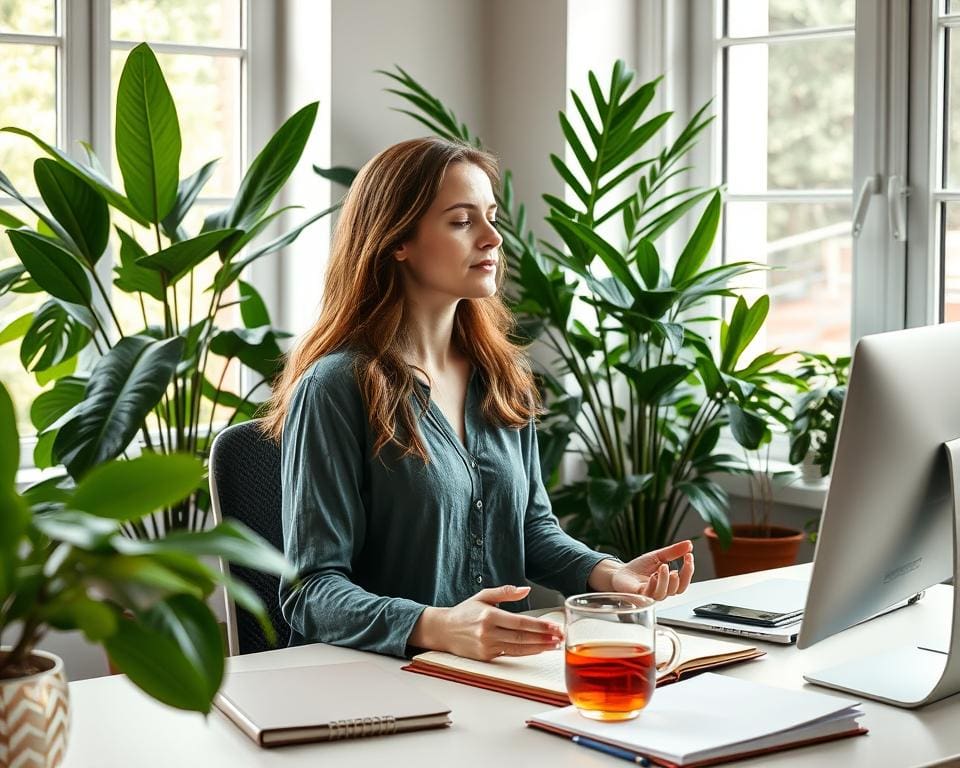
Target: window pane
(790, 115)
(809, 250)
(28, 17)
(206, 90)
(952, 87)
(22, 386)
(950, 248)
(29, 77)
(746, 18)
(212, 22)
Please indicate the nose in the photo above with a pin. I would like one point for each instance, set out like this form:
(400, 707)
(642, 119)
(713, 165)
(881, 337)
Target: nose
(490, 237)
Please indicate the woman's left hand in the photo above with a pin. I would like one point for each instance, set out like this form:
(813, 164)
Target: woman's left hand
(650, 573)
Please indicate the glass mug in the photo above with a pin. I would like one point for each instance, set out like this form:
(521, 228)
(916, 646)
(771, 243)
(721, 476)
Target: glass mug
(610, 653)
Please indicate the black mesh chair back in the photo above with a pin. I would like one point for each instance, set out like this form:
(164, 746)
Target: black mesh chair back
(245, 486)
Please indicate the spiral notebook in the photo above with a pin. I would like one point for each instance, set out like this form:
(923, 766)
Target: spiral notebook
(326, 703)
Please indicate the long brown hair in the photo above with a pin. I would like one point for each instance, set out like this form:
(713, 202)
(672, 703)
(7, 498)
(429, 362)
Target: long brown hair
(363, 303)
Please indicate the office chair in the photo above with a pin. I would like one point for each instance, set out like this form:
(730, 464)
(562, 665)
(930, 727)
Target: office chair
(245, 486)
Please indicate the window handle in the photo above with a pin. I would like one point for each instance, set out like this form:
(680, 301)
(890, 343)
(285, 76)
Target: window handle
(871, 187)
(897, 193)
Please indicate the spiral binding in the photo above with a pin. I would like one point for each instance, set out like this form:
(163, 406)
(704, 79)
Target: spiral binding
(362, 726)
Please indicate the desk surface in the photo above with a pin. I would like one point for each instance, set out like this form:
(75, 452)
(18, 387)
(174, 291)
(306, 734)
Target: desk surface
(114, 724)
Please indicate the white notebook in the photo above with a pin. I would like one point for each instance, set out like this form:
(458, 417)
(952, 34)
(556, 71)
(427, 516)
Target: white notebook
(713, 718)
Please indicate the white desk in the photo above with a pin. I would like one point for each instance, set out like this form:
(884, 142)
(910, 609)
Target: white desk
(114, 724)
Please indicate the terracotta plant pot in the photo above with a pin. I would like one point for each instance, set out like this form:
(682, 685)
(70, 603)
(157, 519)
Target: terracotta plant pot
(752, 551)
(34, 715)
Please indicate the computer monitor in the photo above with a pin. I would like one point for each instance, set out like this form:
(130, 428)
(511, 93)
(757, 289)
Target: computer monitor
(888, 529)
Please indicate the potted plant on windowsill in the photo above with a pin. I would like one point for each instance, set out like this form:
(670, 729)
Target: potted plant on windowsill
(65, 564)
(813, 433)
(760, 545)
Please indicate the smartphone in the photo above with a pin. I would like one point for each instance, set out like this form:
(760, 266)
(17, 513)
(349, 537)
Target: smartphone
(750, 616)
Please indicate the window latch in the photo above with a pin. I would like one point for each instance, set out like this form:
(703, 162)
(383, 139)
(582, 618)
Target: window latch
(871, 187)
(897, 193)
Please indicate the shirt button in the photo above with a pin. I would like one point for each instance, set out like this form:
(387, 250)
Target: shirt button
(479, 504)
(479, 541)
(479, 579)
(473, 463)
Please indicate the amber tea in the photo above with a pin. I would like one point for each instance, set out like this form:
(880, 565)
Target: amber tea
(615, 679)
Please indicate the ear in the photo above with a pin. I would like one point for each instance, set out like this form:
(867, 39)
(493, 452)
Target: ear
(401, 253)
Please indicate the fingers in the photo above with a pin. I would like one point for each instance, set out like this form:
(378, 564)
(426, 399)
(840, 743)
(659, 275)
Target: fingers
(513, 649)
(665, 582)
(674, 551)
(505, 594)
(519, 623)
(503, 637)
(686, 572)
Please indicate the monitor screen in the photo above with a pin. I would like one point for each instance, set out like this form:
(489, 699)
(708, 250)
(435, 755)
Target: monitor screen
(887, 527)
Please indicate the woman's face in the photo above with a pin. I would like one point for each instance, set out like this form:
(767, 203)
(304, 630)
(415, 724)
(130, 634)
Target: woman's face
(455, 253)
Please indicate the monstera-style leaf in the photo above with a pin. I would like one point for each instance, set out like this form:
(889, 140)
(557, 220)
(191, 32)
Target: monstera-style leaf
(124, 387)
(57, 331)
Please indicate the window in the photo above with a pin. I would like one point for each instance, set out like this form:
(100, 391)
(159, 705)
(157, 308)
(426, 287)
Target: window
(60, 62)
(786, 104)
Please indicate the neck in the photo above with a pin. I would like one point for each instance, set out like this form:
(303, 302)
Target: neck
(430, 334)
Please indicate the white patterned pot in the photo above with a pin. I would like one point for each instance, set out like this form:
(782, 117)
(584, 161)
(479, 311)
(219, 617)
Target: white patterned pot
(34, 715)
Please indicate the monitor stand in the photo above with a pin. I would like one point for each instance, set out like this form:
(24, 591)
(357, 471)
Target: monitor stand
(909, 677)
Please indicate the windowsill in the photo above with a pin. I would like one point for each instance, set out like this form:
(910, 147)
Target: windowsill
(800, 493)
(27, 476)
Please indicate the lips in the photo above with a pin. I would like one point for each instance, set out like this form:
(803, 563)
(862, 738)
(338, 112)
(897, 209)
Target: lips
(486, 264)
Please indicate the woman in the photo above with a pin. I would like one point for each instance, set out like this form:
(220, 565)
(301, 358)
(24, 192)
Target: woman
(412, 496)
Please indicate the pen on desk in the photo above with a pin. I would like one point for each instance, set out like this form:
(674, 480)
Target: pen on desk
(608, 749)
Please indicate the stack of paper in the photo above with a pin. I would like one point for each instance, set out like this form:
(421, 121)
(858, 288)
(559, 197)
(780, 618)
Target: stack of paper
(714, 718)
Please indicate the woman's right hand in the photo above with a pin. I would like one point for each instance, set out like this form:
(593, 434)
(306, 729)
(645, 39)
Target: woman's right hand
(478, 629)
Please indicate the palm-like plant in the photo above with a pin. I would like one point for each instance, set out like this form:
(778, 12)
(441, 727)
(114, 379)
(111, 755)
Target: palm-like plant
(638, 389)
(149, 381)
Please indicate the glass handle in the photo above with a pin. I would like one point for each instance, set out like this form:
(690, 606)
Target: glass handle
(670, 664)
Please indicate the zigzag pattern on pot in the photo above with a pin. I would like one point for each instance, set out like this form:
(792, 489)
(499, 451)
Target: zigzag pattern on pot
(34, 720)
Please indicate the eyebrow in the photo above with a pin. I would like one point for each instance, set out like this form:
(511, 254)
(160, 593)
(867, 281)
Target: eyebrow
(469, 206)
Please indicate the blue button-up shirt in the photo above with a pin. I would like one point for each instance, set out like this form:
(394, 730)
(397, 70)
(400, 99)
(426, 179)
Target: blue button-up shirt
(377, 539)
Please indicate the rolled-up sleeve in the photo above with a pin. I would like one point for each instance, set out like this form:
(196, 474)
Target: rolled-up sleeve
(324, 526)
(553, 557)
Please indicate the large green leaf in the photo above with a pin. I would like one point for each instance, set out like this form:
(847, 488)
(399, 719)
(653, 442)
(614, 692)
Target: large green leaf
(85, 531)
(80, 209)
(256, 348)
(55, 269)
(155, 662)
(131, 276)
(176, 261)
(187, 192)
(128, 490)
(52, 404)
(147, 136)
(608, 498)
(271, 168)
(57, 332)
(9, 443)
(229, 539)
(338, 174)
(93, 176)
(124, 387)
(253, 310)
(15, 329)
(748, 428)
(193, 627)
(698, 246)
(745, 323)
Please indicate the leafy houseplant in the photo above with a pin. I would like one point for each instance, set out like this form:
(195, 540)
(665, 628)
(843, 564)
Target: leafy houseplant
(813, 433)
(152, 379)
(66, 564)
(638, 390)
